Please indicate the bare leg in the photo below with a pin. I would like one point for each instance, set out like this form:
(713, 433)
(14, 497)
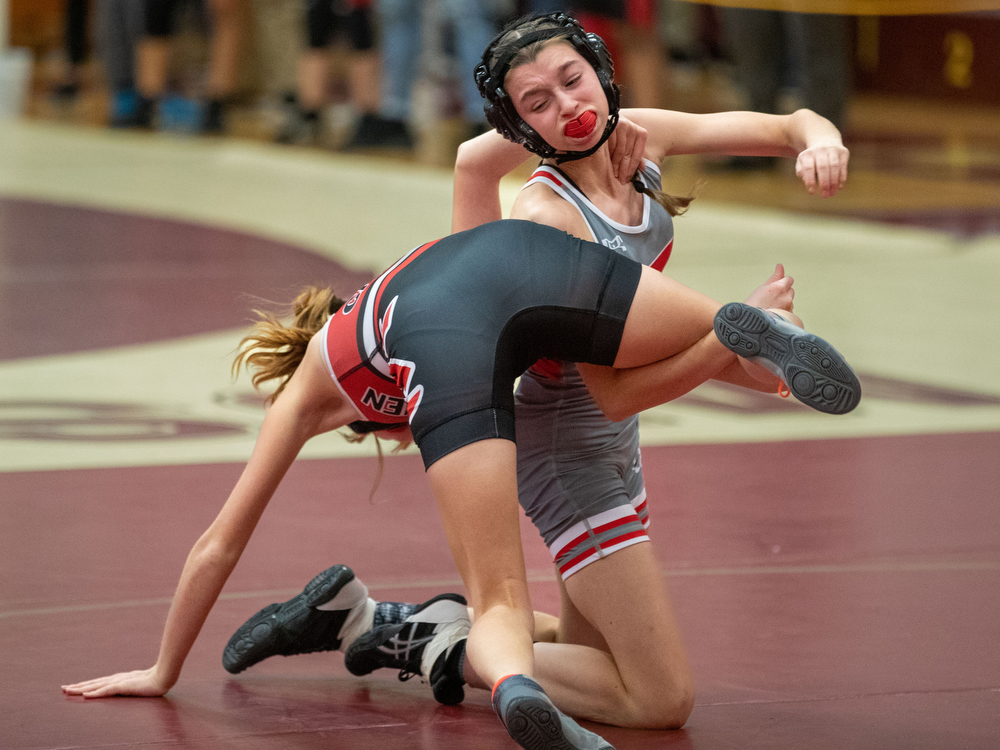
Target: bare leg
(313, 72)
(365, 79)
(152, 62)
(666, 318)
(643, 679)
(227, 34)
(476, 491)
(619, 659)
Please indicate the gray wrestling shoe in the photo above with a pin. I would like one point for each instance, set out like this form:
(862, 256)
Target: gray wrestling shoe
(318, 619)
(535, 723)
(815, 372)
(430, 643)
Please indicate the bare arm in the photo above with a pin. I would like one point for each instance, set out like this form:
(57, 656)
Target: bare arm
(480, 165)
(293, 419)
(813, 140)
(620, 393)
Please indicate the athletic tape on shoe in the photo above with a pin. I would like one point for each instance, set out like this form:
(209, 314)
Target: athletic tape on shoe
(453, 627)
(353, 596)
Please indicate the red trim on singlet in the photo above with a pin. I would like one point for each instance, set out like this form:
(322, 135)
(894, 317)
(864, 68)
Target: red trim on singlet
(547, 368)
(548, 176)
(598, 530)
(603, 546)
(401, 264)
(663, 257)
(377, 397)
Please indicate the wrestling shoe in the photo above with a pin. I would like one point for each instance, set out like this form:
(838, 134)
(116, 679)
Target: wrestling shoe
(391, 613)
(332, 607)
(430, 643)
(814, 371)
(534, 723)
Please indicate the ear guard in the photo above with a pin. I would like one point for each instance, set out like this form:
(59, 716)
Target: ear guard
(500, 110)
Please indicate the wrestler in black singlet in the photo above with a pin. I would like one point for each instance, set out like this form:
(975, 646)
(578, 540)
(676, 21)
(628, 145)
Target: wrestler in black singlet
(455, 322)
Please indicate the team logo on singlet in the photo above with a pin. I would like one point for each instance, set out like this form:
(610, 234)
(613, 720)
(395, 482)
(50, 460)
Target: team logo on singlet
(386, 323)
(615, 244)
(349, 305)
(402, 370)
(383, 403)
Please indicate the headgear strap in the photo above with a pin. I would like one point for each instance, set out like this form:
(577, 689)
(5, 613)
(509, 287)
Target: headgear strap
(499, 70)
(500, 110)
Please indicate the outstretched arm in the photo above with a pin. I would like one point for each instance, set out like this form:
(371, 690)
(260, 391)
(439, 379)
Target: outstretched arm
(814, 141)
(287, 426)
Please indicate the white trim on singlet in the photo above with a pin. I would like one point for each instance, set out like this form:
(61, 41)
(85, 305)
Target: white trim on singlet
(548, 176)
(372, 349)
(323, 333)
(557, 187)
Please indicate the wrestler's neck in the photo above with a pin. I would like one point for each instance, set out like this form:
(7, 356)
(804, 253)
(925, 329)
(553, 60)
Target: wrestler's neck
(595, 176)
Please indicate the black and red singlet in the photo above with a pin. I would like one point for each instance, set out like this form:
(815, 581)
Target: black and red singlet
(439, 338)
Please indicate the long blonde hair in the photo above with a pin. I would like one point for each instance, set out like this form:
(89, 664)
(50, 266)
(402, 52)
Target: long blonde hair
(274, 350)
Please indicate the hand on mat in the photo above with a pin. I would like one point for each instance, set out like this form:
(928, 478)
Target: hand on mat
(142, 682)
(823, 169)
(776, 293)
(627, 145)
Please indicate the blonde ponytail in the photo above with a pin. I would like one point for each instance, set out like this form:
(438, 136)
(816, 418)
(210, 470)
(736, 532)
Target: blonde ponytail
(274, 350)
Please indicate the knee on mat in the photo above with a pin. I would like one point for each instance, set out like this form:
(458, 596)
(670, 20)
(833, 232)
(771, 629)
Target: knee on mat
(667, 709)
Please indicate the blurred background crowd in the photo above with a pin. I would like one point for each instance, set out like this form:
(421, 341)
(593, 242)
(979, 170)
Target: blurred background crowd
(396, 74)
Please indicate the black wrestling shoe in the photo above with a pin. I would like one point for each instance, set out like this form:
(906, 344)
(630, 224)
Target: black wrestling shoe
(535, 723)
(297, 627)
(813, 370)
(430, 643)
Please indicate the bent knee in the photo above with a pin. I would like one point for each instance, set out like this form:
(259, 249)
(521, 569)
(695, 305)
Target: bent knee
(668, 710)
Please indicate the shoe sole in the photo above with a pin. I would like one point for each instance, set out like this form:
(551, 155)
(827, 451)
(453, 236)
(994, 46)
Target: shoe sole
(361, 658)
(449, 691)
(257, 638)
(535, 725)
(815, 372)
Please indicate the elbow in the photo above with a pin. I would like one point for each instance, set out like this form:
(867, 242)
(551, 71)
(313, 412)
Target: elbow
(211, 553)
(465, 159)
(617, 414)
(614, 408)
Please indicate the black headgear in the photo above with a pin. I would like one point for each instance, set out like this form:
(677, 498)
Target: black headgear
(500, 110)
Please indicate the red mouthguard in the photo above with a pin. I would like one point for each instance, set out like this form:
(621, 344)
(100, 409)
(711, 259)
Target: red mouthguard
(582, 126)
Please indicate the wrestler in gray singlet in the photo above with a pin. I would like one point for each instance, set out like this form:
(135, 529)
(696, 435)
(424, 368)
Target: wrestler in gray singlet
(579, 474)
